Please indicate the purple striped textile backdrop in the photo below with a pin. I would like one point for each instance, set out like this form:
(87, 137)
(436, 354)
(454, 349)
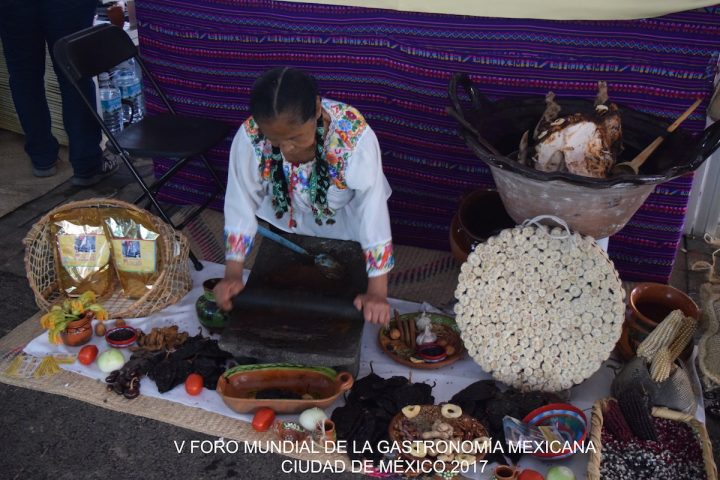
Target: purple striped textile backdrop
(395, 67)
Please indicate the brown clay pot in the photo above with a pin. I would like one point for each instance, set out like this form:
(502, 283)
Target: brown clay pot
(481, 215)
(504, 472)
(77, 332)
(648, 305)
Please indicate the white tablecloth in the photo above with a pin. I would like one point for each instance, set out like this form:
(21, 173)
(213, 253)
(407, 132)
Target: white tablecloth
(448, 381)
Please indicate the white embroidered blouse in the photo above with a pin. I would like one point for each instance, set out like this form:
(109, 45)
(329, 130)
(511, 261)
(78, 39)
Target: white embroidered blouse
(358, 190)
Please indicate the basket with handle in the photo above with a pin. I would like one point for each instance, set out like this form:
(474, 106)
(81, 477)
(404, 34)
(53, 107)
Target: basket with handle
(171, 285)
(593, 470)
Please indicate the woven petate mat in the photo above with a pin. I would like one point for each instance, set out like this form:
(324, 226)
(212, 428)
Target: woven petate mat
(709, 345)
(94, 392)
(420, 275)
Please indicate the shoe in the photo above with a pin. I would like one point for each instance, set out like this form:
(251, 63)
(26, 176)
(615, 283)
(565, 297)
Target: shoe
(110, 165)
(45, 172)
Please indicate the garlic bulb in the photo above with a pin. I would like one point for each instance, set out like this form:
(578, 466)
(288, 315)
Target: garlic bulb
(423, 321)
(426, 337)
(312, 418)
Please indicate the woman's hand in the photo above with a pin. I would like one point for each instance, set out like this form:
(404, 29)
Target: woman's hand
(375, 308)
(373, 303)
(229, 286)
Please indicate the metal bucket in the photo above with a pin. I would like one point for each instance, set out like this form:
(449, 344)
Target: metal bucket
(598, 207)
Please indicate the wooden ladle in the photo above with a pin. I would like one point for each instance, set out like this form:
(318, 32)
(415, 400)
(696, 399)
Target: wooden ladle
(633, 167)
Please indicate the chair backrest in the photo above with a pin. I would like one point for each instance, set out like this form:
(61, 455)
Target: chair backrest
(94, 50)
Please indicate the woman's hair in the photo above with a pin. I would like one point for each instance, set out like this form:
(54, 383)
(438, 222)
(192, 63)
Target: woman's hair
(284, 90)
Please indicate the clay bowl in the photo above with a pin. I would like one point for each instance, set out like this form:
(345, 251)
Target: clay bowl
(443, 326)
(77, 332)
(239, 386)
(570, 421)
(470, 427)
(121, 337)
(648, 305)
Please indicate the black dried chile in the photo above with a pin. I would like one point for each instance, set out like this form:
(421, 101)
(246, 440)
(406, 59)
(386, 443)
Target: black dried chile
(371, 404)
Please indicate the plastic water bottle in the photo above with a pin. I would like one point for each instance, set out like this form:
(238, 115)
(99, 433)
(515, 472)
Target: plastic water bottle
(110, 104)
(127, 79)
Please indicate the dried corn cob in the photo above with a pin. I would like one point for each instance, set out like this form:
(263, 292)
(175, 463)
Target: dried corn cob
(635, 406)
(683, 337)
(661, 365)
(662, 336)
(615, 423)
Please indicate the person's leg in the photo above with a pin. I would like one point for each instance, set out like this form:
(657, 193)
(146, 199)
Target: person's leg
(24, 47)
(61, 18)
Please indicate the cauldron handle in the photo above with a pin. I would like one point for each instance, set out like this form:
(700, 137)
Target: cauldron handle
(708, 143)
(478, 101)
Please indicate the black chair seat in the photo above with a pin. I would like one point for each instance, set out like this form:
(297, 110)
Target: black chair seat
(167, 135)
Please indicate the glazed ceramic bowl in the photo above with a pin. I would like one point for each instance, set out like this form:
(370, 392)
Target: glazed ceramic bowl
(121, 337)
(569, 420)
(239, 387)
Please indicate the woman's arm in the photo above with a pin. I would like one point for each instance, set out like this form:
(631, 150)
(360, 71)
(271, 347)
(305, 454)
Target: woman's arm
(374, 303)
(242, 198)
(229, 286)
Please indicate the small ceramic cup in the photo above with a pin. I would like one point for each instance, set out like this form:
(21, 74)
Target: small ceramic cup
(505, 472)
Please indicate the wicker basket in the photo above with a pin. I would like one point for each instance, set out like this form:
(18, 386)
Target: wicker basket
(171, 285)
(593, 471)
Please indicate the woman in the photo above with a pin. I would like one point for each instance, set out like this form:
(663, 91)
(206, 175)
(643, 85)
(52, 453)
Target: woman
(311, 166)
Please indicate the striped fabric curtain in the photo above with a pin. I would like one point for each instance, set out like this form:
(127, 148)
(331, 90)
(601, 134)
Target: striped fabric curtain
(395, 66)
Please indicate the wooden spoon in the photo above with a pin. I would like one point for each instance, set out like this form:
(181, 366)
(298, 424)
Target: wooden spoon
(633, 167)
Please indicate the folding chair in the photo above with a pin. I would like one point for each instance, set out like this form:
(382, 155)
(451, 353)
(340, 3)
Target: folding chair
(98, 49)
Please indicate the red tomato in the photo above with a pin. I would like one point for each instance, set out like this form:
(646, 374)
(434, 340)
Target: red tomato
(87, 354)
(263, 419)
(194, 384)
(530, 475)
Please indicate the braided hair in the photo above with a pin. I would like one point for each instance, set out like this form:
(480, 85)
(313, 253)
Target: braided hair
(290, 91)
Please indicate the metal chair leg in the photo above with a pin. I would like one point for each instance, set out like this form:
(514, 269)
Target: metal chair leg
(196, 263)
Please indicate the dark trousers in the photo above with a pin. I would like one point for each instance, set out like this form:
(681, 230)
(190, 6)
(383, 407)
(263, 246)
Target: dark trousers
(26, 26)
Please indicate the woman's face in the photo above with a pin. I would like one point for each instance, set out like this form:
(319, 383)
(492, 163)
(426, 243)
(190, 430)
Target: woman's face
(292, 137)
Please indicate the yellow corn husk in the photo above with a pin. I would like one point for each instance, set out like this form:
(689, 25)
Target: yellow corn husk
(87, 298)
(65, 358)
(661, 337)
(12, 369)
(683, 337)
(48, 366)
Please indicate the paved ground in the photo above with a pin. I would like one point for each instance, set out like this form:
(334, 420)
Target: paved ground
(48, 436)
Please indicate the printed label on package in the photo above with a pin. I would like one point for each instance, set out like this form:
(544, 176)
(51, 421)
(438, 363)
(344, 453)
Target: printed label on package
(134, 255)
(83, 250)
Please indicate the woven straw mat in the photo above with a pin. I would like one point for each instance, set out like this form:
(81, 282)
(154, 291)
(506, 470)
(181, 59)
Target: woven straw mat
(78, 387)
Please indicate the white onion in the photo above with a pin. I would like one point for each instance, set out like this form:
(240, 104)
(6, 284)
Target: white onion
(312, 418)
(110, 360)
